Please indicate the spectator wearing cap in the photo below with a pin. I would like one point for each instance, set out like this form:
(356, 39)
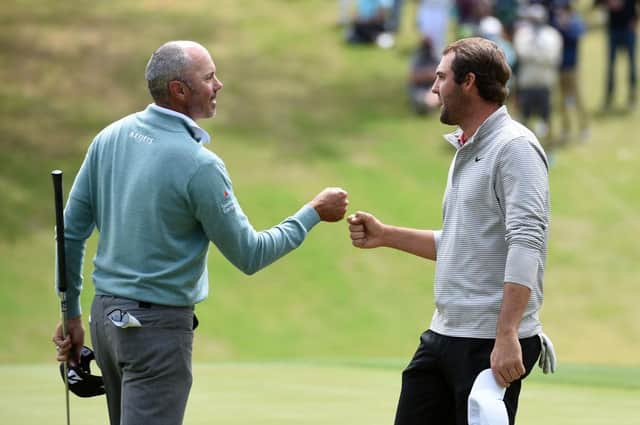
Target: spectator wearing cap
(491, 28)
(539, 49)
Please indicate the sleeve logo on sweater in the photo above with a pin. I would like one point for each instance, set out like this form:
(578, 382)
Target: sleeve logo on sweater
(227, 205)
(140, 138)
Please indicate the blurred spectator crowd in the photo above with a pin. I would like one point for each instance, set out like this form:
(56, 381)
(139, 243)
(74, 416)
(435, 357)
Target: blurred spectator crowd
(540, 39)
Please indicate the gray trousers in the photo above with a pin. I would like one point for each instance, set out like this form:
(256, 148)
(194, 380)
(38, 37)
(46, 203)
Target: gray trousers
(144, 353)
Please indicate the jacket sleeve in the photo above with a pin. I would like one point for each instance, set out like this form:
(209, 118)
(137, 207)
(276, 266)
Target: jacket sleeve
(522, 187)
(225, 224)
(79, 224)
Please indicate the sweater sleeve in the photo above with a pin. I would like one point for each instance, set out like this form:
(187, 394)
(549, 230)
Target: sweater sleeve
(79, 224)
(523, 188)
(225, 224)
(437, 236)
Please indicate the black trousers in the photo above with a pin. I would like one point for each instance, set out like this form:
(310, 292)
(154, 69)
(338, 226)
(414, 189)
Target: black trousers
(437, 382)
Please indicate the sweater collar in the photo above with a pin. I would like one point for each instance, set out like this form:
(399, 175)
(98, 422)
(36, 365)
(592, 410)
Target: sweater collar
(488, 125)
(198, 132)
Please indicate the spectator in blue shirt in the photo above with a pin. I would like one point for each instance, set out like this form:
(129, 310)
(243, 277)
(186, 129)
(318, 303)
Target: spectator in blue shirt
(370, 21)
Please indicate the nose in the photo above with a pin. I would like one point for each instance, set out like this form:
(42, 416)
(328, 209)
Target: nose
(217, 84)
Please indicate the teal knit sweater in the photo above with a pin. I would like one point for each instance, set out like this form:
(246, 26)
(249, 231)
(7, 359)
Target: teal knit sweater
(158, 197)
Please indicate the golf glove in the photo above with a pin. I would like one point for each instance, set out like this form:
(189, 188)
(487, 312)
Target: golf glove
(547, 360)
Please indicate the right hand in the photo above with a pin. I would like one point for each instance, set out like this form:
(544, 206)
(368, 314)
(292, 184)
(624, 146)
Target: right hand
(365, 230)
(506, 359)
(331, 204)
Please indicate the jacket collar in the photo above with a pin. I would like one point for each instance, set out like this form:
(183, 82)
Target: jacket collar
(492, 122)
(194, 129)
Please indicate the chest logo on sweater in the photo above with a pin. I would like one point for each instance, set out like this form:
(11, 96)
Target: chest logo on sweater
(140, 138)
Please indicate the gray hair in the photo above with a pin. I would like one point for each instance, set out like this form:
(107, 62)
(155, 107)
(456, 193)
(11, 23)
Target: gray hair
(166, 64)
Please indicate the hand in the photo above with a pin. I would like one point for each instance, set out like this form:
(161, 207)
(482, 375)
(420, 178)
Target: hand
(365, 230)
(331, 204)
(68, 348)
(506, 360)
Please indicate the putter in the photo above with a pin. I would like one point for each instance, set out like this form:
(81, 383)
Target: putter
(62, 269)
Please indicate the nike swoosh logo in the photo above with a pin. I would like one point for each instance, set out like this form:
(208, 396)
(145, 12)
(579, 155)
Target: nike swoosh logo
(478, 159)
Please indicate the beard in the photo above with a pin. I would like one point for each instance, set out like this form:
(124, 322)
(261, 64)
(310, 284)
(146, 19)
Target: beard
(453, 107)
(446, 117)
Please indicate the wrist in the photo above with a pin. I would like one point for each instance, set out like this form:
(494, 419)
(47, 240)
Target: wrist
(386, 235)
(507, 332)
(75, 320)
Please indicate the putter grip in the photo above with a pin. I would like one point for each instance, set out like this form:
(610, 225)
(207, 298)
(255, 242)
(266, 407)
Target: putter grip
(62, 263)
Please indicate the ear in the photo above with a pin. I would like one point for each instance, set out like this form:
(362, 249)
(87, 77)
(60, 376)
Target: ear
(177, 89)
(469, 81)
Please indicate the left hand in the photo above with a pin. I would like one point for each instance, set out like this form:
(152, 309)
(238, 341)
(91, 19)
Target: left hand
(506, 360)
(68, 347)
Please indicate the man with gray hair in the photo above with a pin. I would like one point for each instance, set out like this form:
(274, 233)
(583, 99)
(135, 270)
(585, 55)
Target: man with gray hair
(158, 197)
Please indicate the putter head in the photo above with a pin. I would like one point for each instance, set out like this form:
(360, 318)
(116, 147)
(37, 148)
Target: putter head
(81, 382)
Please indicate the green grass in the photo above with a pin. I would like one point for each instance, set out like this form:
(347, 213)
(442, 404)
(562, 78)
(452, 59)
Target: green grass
(299, 111)
(314, 393)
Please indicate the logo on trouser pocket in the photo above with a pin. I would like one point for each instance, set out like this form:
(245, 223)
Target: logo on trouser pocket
(123, 319)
